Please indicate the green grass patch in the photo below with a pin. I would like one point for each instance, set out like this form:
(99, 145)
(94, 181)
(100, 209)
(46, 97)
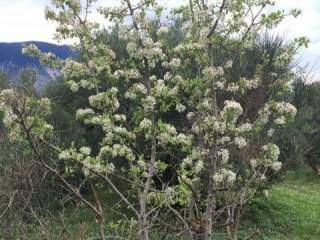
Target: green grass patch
(291, 211)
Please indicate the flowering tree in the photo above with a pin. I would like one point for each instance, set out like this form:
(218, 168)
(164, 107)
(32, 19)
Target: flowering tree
(233, 152)
(163, 107)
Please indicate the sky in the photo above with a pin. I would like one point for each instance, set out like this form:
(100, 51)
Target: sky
(23, 20)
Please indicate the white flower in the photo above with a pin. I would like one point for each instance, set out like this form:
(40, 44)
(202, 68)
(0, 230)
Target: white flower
(139, 88)
(174, 91)
(224, 140)
(162, 31)
(224, 175)
(180, 108)
(159, 88)
(148, 42)
(246, 84)
(149, 103)
(219, 84)
(141, 164)
(271, 152)
(232, 87)
(206, 104)
(9, 117)
(175, 63)
(85, 151)
(167, 76)
(253, 163)
(246, 127)
(65, 155)
(103, 100)
(84, 113)
(280, 121)
(211, 73)
(198, 167)
(74, 69)
(183, 139)
(232, 109)
(7, 94)
(286, 108)
(270, 133)
(224, 154)
(132, 49)
(191, 115)
(276, 166)
(136, 89)
(187, 161)
(228, 64)
(86, 84)
(74, 87)
(240, 142)
(145, 124)
(119, 73)
(120, 117)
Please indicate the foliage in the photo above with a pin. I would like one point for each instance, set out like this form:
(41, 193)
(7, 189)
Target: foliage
(300, 139)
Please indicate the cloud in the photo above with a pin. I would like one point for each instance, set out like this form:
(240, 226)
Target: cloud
(22, 20)
(305, 25)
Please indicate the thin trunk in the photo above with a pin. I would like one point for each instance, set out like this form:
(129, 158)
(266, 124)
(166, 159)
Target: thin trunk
(99, 217)
(144, 223)
(210, 198)
(236, 220)
(212, 165)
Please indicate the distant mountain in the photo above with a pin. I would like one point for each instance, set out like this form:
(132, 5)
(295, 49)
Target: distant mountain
(12, 61)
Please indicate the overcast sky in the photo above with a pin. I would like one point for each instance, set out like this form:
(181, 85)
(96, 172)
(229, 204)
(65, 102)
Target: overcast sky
(23, 20)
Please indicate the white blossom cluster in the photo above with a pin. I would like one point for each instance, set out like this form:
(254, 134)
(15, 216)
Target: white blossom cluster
(128, 74)
(149, 104)
(162, 31)
(285, 111)
(231, 111)
(136, 90)
(116, 150)
(89, 164)
(146, 124)
(246, 127)
(180, 107)
(240, 142)
(268, 157)
(74, 69)
(195, 161)
(85, 113)
(224, 155)
(224, 176)
(106, 100)
(211, 73)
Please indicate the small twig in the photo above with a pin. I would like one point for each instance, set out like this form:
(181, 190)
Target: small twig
(10, 203)
(251, 235)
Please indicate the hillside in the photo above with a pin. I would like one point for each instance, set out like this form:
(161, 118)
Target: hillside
(12, 61)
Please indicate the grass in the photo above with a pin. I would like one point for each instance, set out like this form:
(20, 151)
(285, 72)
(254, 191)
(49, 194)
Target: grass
(291, 211)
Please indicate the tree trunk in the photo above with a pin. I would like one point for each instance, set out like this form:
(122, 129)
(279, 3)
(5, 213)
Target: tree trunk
(143, 221)
(235, 227)
(210, 198)
(99, 216)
